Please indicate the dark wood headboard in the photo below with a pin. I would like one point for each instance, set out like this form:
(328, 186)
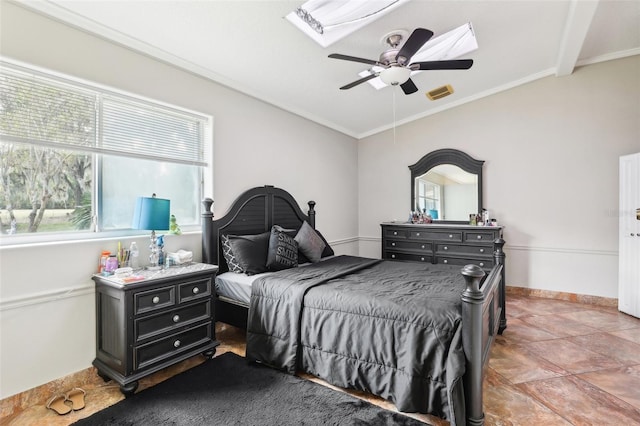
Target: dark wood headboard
(253, 212)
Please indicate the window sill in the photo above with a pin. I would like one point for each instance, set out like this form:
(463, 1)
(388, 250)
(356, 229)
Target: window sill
(44, 239)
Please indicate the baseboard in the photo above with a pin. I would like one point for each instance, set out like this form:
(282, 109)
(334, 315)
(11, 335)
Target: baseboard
(559, 295)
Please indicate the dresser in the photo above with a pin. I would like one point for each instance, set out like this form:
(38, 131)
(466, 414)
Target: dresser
(440, 243)
(447, 244)
(152, 320)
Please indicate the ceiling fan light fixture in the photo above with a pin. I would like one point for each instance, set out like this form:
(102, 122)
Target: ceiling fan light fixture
(395, 75)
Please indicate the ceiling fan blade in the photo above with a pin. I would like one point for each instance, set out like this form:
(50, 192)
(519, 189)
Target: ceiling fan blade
(362, 80)
(409, 87)
(456, 64)
(354, 59)
(416, 40)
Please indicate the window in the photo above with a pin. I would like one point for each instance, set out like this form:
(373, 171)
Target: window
(327, 21)
(74, 156)
(428, 196)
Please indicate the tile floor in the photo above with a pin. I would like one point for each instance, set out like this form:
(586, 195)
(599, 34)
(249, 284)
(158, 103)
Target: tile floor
(558, 363)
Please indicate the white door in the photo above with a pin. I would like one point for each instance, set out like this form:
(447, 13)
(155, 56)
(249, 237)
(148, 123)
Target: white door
(629, 236)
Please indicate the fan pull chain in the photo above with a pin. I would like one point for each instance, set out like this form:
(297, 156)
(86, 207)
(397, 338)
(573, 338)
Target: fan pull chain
(394, 113)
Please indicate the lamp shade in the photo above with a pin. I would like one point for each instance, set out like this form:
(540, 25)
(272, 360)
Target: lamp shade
(151, 214)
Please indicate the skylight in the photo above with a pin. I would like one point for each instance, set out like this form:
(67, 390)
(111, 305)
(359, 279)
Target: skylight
(450, 45)
(327, 21)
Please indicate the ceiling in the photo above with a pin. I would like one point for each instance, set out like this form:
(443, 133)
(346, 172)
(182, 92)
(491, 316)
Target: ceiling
(250, 47)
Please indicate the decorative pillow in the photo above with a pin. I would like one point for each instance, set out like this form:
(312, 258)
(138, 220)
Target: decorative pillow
(251, 251)
(310, 243)
(232, 262)
(283, 250)
(328, 251)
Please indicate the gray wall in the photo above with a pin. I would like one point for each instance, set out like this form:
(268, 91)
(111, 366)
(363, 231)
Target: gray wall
(46, 294)
(551, 151)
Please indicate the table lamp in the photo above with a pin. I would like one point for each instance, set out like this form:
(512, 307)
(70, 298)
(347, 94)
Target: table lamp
(152, 214)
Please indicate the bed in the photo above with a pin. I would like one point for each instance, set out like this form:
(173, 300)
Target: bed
(416, 334)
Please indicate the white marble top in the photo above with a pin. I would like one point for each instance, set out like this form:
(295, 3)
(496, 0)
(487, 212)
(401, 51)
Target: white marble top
(141, 275)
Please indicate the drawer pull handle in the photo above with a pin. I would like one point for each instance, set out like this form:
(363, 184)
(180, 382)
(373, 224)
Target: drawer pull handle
(393, 256)
(176, 318)
(422, 246)
(155, 300)
(393, 244)
(422, 259)
(445, 261)
(450, 236)
(479, 237)
(196, 290)
(481, 264)
(446, 248)
(481, 250)
(417, 234)
(176, 344)
(395, 233)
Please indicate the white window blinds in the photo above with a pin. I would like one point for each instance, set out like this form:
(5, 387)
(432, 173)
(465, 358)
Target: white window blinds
(151, 132)
(45, 112)
(40, 110)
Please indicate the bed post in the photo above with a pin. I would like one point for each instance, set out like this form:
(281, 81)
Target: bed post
(472, 307)
(312, 214)
(207, 218)
(499, 257)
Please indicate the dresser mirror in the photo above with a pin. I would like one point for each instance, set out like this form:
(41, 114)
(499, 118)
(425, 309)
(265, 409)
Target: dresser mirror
(447, 185)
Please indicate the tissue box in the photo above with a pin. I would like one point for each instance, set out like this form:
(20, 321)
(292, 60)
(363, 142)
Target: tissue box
(180, 257)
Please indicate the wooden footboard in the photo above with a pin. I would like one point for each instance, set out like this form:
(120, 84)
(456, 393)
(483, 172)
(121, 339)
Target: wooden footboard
(483, 317)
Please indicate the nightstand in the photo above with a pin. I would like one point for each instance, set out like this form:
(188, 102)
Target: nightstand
(161, 318)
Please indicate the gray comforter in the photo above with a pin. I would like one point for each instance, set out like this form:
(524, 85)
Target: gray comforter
(389, 328)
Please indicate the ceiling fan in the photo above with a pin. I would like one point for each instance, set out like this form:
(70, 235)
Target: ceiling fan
(396, 62)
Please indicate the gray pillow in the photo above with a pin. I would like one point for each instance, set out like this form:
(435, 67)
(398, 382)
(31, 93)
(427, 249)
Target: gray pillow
(251, 251)
(310, 243)
(283, 250)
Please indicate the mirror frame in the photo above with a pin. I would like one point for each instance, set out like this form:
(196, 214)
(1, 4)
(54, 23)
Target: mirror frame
(446, 156)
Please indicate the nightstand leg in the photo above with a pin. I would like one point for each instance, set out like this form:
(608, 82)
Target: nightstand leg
(129, 389)
(104, 376)
(209, 354)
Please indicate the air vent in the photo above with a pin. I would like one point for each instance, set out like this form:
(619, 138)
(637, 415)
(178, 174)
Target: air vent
(440, 92)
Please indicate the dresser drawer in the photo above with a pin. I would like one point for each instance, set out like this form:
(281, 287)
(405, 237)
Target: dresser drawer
(159, 298)
(394, 233)
(154, 325)
(480, 236)
(406, 256)
(483, 263)
(435, 235)
(151, 353)
(192, 290)
(408, 245)
(476, 251)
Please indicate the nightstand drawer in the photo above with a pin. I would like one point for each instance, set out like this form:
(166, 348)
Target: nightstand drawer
(196, 289)
(155, 325)
(147, 301)
(154, 352)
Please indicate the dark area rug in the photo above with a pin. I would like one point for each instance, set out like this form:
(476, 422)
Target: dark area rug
(228, 391)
